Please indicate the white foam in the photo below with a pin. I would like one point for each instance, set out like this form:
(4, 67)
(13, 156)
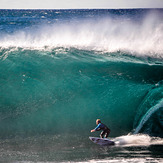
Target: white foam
(127, 160)
(137, 140)
(108, 160)
(105, 34)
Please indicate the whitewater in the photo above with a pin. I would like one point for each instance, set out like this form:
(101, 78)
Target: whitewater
(105, 33)
(63, 69)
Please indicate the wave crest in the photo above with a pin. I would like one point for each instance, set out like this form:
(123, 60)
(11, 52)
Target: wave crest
(143, 38)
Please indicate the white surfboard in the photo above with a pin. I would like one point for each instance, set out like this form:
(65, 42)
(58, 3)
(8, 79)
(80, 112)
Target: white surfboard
(101, 141)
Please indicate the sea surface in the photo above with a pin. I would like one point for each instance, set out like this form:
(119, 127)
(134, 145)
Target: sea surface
(60, 70)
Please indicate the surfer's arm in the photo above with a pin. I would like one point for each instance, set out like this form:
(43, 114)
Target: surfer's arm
(96, 128)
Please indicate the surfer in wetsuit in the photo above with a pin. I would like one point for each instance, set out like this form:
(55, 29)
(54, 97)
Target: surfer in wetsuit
(100, 126)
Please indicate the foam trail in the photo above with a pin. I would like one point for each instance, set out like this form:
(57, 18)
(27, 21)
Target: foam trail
(137, 140)
(145, 118)
(106, 34)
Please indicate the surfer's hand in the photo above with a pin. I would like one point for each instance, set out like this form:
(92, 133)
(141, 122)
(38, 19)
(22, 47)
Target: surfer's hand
(92, 130)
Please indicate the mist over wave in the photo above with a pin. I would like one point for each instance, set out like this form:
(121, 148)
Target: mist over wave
(63, 69)
(109, 34)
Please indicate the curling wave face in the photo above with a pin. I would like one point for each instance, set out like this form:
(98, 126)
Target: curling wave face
(57, 78)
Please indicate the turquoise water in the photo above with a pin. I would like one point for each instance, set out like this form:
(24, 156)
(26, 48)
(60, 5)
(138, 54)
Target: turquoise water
(63, 69)
(45, 92)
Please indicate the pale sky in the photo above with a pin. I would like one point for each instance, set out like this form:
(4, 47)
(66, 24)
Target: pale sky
(79, 4)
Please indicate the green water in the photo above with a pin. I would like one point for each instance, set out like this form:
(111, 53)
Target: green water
(51, 99)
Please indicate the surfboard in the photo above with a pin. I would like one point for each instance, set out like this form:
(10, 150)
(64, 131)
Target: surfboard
(101, 141)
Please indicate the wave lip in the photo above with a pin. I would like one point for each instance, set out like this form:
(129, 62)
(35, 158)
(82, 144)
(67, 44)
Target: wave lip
(107, 34)
(149, 114)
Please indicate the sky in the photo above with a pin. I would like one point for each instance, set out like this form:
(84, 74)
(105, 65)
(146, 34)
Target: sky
(79, 4)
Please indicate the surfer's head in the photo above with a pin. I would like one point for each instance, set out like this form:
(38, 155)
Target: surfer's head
(98, 121)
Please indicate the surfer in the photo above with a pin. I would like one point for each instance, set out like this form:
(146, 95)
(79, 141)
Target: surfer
(100, 126)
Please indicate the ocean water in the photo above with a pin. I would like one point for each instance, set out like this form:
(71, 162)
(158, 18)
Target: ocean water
(60, 70)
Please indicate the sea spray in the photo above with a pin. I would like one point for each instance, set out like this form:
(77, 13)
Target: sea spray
(60, 70)
(143, 38)
(137, 140)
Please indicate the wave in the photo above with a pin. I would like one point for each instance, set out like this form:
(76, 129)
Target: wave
(60, 91)
(149, 114)
(109, 34)
(58, 78)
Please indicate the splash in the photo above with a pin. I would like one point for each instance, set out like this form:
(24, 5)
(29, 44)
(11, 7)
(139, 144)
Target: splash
(137, 140)
(143, 38)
